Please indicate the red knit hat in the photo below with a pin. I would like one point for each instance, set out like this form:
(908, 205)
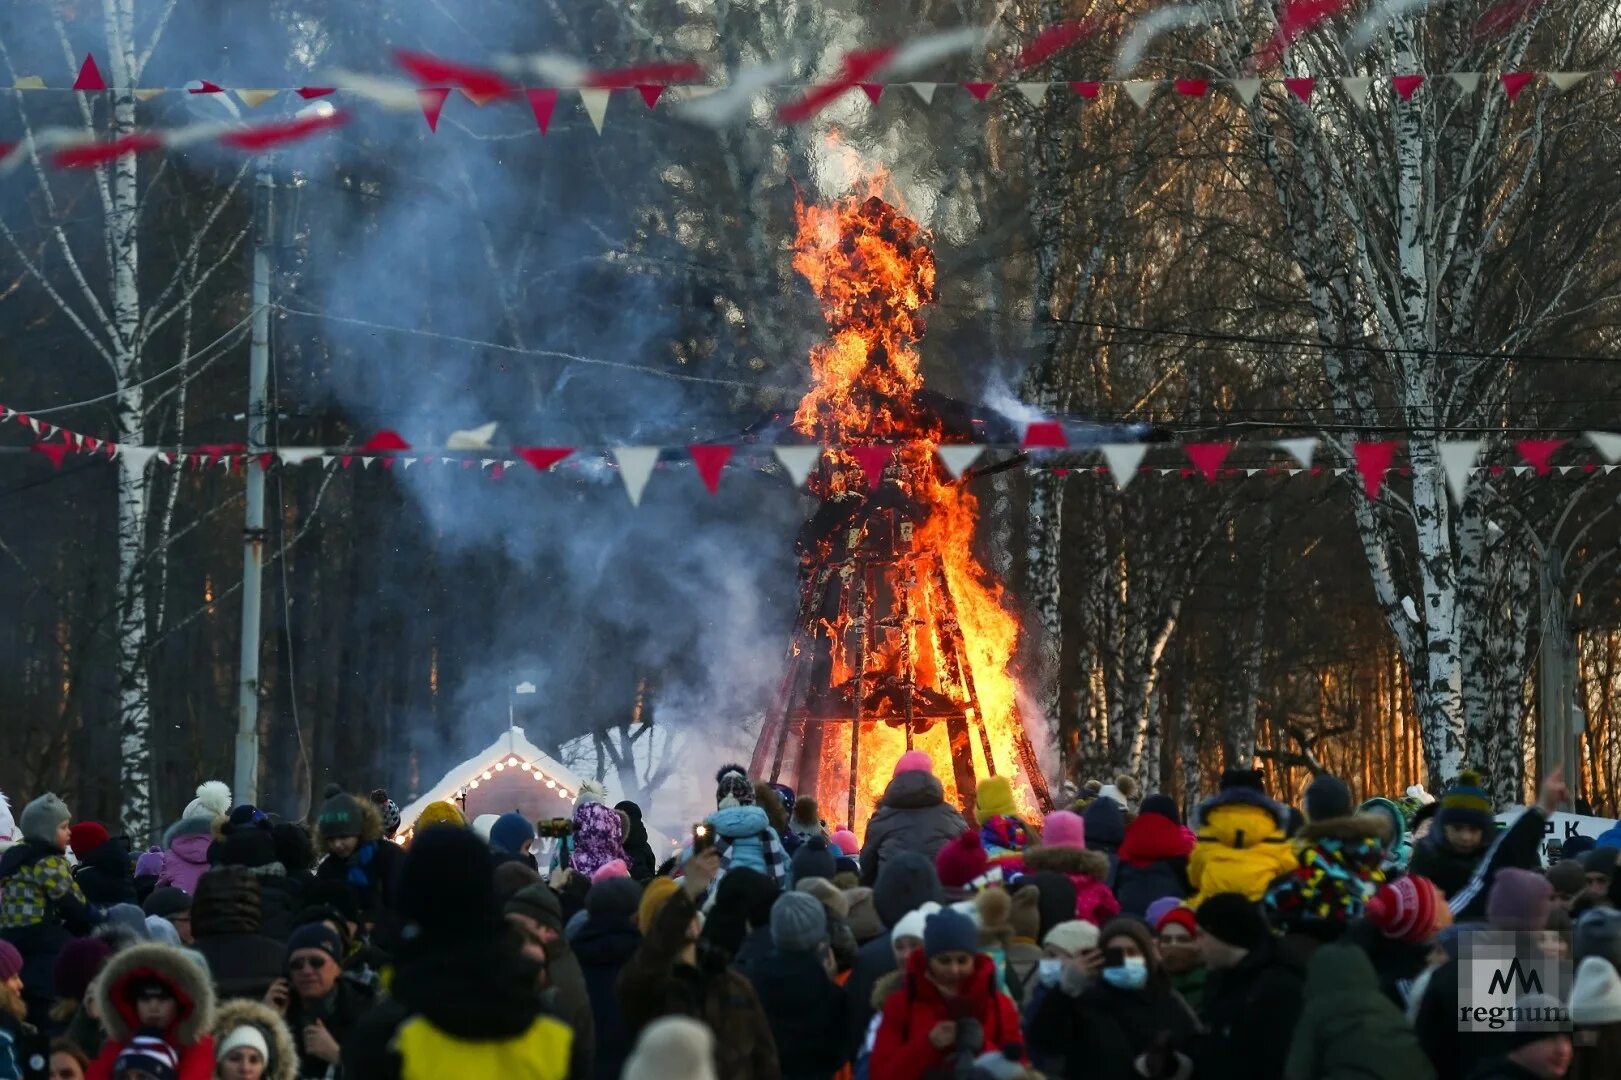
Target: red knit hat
(962, 860)
(1180, 916)
(1409, 909)
(86, 837)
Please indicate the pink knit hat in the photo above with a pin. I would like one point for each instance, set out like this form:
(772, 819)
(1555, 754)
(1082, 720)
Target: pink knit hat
(914, 761)
(611, 869)
(1064, 829)
(846, 841)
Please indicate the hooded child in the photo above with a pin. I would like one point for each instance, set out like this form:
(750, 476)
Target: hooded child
(1153, 857)
(912, 815)
(1063, 850)
(1241, 846)
(349, 833)
(151, 996)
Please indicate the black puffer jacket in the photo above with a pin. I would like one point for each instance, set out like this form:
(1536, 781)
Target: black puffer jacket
(226, 922)
(911, 816)
(804, 1008)
(105, 875)
(638, 851)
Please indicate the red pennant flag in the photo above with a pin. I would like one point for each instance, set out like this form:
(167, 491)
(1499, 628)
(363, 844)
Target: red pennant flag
(344, 460)
(873, 90)
(543, 457)
(467, 463)
(93, 154)
(857, 67)
(212, 452)
(388, 462)
(309, 93)
(710, 461)
(265, 461)
(1191, 87)
(1086, 89)
(91, 445)
(1044, 435)
(1406, 85)
(265, 136)
(433, 102)
(1300, 88)
(384, 441)
(1295, 18)
(1500, 19)
(1208, 456)
(1515, 81)
(873, 461)
(665, 73)
(651, 92)
(434, 72)
(55, 451)
(1372, 463)
(542, 102)
(1536, 452)
(205, 87)
(498, 470)
(980, 90)
(89, 75)
(1054, 40)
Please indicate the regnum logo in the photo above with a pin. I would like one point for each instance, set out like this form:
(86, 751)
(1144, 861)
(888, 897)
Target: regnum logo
(1513, 981)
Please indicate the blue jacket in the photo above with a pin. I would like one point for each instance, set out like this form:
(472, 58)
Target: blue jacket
(744, 837)
(1610, 837)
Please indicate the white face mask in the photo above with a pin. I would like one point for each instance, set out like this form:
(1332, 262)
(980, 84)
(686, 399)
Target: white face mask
(1049, 969)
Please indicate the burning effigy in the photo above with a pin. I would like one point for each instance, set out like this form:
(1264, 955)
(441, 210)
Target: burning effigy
(903, 640)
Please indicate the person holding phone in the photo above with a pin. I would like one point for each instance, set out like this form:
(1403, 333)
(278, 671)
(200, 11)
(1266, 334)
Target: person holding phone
(319, 1005)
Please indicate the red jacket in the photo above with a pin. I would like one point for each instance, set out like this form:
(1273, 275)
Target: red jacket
(192, 992)
(902, 1050)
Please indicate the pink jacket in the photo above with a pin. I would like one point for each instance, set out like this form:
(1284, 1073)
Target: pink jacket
(1088, 871)
(185, 862)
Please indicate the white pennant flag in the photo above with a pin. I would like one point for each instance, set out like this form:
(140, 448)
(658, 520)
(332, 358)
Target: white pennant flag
(595, 100)
(327, 459)
(1607, 444)
(1246, 89)
(1123, 460)
(956, 457)
(1034, 92)
(1357, 90)
(1564, 80)
(924, 90)
(297, 455)
(34, 424)
(1141, 90)
(137, 456)
(636, 468)
(1468, 81)
(1299, 449)
(799, 461)
(485, 463)
(477, 438)
(1458, 459)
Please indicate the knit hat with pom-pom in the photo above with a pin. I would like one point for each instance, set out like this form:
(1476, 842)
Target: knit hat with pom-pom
(213, 799)
(590, 792)
(388, 809)
(1409, 909)
(1466, 802)
(732, 782)
(961, 861)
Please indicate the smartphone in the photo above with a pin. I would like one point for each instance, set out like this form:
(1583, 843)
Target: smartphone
(1556, 850)
(1114, 957)
(703, 838)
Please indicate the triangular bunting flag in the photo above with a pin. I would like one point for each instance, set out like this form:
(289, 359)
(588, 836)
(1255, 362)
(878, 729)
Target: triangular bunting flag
(1522, 470)
(1515, 81)
(1246, 89)
(384, 441)
(1123, 460)
(1207, 457)
(798, 461)
(980, 90)
(1356, 88)
(1564, 80)
(1406, 86)
(956, 457)
(873, 90)
(149, 93)
(542, 102)
(255, 98)
(1373, 462)
(651, 92)
(205, 87)
(310, 93)
(405, 463)
(873, 461)
(53, 450)
(1538, 451)
(137, 456)
(1608, 445)
(479, 98)
(1300, 88)
(1034, 92)
(924, 90)
(1044, 435)
(1458, 461)
(297, 455)
(710, 461)
(1467, 81)
(433, 102)
(1191, 87)
(89, 75)
(595, 100)
(1087, 88)
(366, 461)
(1302, 450)
(28, 82)
(542, 458)
(635, 468)
(1141, 90)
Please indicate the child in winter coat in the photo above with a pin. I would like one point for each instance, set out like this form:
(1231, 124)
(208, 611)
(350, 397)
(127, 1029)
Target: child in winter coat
(1393, 834)
(157, 1000)
(1339, 857)
(1464, 828)
(599, 836)
(743, 832)
(1153, 860)
(1241, 846)
(1004, 833)
(350, 834)
(40, 903)
(1063, 850)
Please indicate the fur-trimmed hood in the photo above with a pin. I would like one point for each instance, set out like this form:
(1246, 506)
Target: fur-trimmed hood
(1063, 860)
(184, 976)
(239, 1012)
(189, 826)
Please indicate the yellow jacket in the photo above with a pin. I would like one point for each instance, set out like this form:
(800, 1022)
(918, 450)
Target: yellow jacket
(1241, 849)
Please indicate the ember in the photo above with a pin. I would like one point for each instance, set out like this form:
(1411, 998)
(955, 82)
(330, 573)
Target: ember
(902, 640)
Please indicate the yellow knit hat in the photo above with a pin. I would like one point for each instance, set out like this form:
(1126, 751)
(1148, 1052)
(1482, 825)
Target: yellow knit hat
(658, 891)
(994, 798)
(439, 813)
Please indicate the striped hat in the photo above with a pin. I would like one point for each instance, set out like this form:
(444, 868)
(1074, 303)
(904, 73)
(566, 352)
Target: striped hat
(148, 1053)
(1409, 909)
(1465, 802)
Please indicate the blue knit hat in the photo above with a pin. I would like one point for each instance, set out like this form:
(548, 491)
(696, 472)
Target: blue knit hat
(947, 931)
(510, 831)
(1465, 802)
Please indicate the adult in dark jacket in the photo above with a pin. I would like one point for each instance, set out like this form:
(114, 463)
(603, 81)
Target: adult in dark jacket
(1105, 831)
(638, 852)
(906, 883)
(541, 910)
(1349, 1028)
(252, 847)
(1252, 998)
(350, 836)
(800, 1001)
(740, 914)
(1153, 857)
(603, 946)
(227, 928)
(1100, 1026)
(911, 816)
(104, 873)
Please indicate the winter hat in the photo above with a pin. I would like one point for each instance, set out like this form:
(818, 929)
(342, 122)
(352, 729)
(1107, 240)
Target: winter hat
(613, 868)
(249, 846)
(510, 832)
(316, 936)
(806, 815)
(1057, 898)
(1519, 900)
(1155, 911)
(654, 897)
(1073, 936)
(1233, 919)
(1577, 846)
(826, 893)
(1025, 917)
(244, 1035)
(438, 813)
(1163, 805)
(213, 799)
(482, 825)
(388, 809)
(1598, 933)
(1178, 916)
(845, 842)
(905, 881)
(539, 903)
(341, 814)
(1596, 996)
(913, 761)
(1466, 803)
(77, 966)
(674, 1046)
(42, 817)
(150, 864)
(962, 860)
(1327, 796)
(1409, 909)
(1064, 829)
(813, 859)
(798, 922)
(863, 914)
(166, 901)
(128, 918)
(732, 782)
(913, 923)
(616, 896)
(786, 794)
(948, 930)
(85, 837)
(293, 846)
(245, 816)
(162, 930)
(148, 1054)
(446, 887)
(994, 799)
(1251, 779)
(11, 961)
(1567, 878)
(1600, 860)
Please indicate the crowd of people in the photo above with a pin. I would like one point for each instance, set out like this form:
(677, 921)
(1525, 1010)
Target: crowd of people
(1108, 939)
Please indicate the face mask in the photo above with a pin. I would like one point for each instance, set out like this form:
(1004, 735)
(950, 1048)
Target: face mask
(1048, 970)
(1131, 975)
